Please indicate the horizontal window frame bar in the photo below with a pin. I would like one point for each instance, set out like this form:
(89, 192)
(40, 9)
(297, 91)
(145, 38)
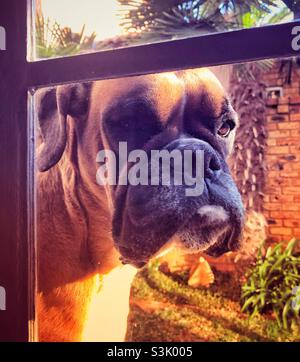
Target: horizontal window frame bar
(273, 41)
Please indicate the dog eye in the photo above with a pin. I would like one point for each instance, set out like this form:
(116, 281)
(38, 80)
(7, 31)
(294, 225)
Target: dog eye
(225, 128)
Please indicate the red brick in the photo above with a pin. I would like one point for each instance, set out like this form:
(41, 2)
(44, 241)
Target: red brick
(280, 231)
(282, 159)
(291, 190)
(295, 83)
(286, 167)
(283, 100)
(295, 133)
(285, 214)
(292, 92)
(296, 233)
(273, 190)
(282, 182)
(272, 166)
(271, 206)
(283, 108)
(295, 100)
(271, 142)
(295, 149)
(271, 111)
(290, 207)
(271, 126)
(282, 198)
(296, 182)
(272, 174)
(296, 166)
(295, 117)
(289, 125)
(279, 134)
(291, 223)
(278, 150)
(287, 141)
(289, 174)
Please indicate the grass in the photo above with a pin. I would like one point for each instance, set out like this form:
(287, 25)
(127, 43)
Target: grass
(164, 308)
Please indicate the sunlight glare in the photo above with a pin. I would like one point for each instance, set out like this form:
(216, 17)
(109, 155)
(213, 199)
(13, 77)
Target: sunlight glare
(99, 16)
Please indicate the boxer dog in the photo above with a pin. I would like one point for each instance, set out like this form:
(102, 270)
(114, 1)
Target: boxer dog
(85, 229)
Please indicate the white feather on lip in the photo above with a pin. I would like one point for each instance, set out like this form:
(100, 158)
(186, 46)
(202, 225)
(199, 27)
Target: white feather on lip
(214, 213)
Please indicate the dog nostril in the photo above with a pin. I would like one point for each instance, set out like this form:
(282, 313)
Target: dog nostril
(214, 164)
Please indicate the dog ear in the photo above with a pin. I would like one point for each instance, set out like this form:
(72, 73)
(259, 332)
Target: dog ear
(54, 105)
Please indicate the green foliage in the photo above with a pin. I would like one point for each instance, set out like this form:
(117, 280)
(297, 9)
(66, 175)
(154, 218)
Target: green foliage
(165, 308)
(270, 285)
(175, 18)
(54, 41)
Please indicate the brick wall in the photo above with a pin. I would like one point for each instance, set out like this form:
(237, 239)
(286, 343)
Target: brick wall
(282, 193)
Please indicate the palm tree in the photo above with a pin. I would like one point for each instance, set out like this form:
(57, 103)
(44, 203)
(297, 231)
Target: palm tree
(179, 18)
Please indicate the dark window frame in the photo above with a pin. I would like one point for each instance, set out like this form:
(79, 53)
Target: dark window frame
(18, 80)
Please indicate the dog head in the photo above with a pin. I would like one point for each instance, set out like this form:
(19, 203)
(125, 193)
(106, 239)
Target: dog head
(180, 111)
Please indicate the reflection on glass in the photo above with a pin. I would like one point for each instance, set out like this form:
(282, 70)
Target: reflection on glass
(65, 27)
(83, 225)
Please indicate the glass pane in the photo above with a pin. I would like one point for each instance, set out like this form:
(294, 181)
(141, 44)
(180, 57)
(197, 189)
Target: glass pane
(101, 195)
(66, 27)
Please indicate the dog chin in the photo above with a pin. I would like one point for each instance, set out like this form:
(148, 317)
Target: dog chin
(208, 231)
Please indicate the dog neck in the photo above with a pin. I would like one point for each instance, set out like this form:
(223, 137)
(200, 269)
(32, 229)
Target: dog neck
(74, 247)
(72, 225)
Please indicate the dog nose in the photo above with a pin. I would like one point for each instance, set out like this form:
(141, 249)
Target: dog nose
(210, 158)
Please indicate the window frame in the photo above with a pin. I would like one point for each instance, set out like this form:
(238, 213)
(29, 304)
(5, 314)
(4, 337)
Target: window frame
(19, 80)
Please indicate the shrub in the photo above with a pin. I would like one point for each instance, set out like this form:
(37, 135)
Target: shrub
(271, 285)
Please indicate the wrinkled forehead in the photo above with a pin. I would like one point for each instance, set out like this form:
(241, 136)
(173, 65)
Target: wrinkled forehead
(161, 92)
(204, 92)
(199, 89)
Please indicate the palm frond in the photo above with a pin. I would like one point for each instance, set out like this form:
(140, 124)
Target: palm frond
(52, 40)
(175, 18)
